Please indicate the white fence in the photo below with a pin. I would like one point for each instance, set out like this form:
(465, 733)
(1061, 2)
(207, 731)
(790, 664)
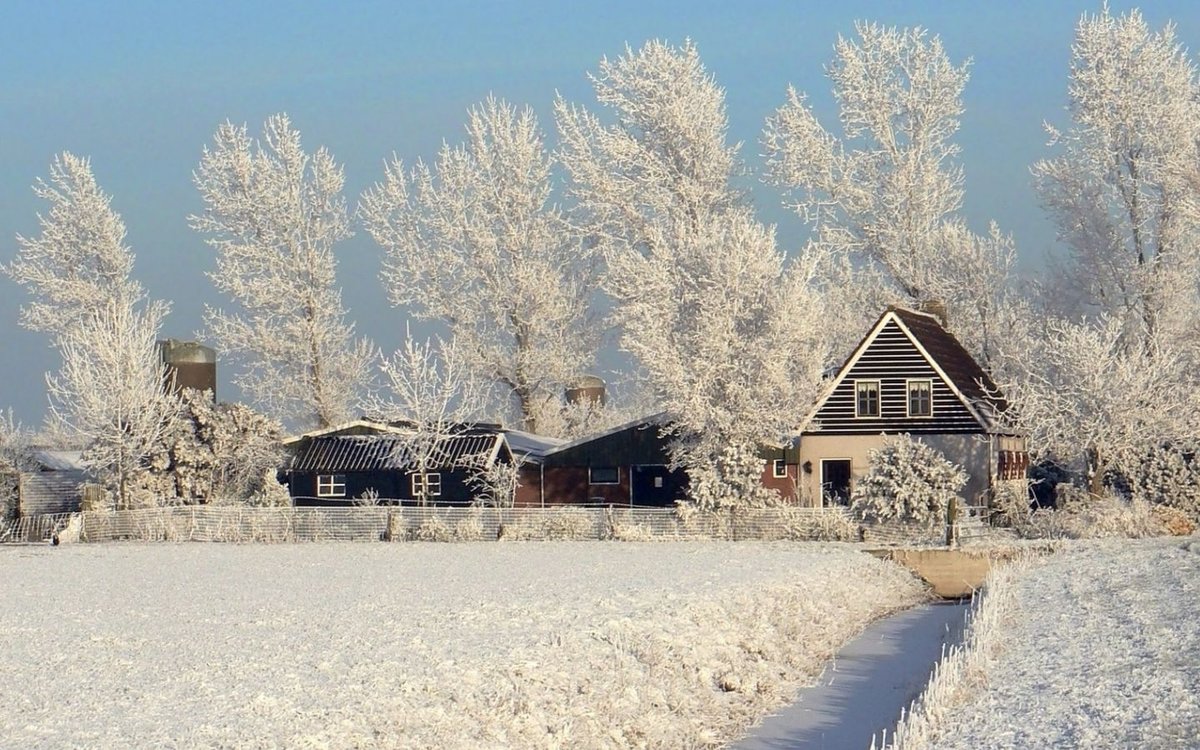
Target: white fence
(207, 523)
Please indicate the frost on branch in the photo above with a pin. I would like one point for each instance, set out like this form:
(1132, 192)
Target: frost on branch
(274, 213)
(475, 241)
(908, 481)
(79, 264)
(109, 395)
(727, 331)
(431, 390)
(1123, 186)
(885, 197)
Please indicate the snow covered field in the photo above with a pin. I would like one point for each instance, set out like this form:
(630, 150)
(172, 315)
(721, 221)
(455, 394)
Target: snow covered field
(1097, 646)
(580, 645)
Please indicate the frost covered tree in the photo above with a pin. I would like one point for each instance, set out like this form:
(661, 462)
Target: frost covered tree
(79, 264)
(725, 328)
(729, 335)
(274, 213)
(908, 481)
(1093, 400)
(431, 389)
(664, 166)
(884, 198)
(109, 395)
(16, 456)
(1122, 186)
(476, 242)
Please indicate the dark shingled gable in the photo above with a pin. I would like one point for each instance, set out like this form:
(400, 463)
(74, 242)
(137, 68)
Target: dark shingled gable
(960, 367)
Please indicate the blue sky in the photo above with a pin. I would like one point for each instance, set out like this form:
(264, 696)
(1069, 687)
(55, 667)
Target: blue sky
(141, 86)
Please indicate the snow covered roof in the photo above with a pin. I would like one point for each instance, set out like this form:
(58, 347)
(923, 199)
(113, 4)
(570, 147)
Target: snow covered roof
(51, 460)
(529, 445)
(339, 453)
(357, 426)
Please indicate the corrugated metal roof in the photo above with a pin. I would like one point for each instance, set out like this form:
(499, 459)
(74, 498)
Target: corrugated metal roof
(341, 453)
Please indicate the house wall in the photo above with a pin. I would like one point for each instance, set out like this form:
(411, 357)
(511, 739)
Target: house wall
(391, 485)
(529, 486)
(49, 492)
(974, 453)
(568, 485)
(785, 486)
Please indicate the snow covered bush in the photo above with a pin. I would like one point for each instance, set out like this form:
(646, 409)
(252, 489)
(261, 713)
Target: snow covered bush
(1171, 477)
(469, 528)
(908, 482)
(558, 524)
(433, 529)
(1082, 515)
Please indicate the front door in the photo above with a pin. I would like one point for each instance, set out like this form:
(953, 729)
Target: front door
(656, 485)
(835, 481)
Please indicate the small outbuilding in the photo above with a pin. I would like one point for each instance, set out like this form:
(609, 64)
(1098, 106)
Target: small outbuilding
(366, 461)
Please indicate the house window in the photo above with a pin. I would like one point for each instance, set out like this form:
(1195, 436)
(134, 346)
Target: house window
(331, 485)
(866, 398)
(920, 398)
(427, 485)
(779, 468)
(604, 475)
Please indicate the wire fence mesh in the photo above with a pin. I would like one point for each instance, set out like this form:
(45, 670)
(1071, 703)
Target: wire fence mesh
(218, 523)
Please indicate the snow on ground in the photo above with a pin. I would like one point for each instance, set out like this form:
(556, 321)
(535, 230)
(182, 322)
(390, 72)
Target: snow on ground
(581, 645)
(1097, 646)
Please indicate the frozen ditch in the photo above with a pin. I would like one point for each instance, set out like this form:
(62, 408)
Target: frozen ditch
(861, 693)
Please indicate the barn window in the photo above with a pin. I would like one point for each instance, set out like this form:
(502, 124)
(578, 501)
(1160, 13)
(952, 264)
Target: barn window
(427, 485)
(920, 398)
(604, 475)
(779, 468)
(331, 485)
(866, 398)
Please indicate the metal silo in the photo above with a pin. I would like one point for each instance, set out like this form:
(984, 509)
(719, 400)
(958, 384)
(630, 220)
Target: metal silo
(189, 365)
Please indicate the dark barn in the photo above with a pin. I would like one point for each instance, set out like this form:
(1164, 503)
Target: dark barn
(366, 460)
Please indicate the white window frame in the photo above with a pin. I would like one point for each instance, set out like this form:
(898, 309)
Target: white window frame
(331, 485)
(430, 482)
(779, 468)
(878, 398)
(908, 384)
(614, 468)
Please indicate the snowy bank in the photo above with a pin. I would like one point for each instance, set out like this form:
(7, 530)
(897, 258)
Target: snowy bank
(1093, 647)
(422, 645)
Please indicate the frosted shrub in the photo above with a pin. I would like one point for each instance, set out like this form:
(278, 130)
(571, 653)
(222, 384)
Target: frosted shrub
(1010, 502)
(623, 528)
(469, 528)
(1169, 477)
(909, 482)
(1081, 515)
(734, 480)
(433, 529)
(559, 524)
